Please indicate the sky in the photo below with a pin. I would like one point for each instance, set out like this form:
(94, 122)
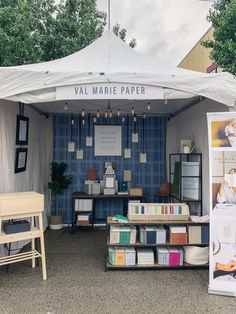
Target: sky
(164, 29)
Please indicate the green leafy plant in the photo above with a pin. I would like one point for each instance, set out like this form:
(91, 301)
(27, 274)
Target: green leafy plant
(59, 181)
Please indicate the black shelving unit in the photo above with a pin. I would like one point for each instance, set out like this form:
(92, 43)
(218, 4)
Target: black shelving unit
(156, 266)
(177, 162)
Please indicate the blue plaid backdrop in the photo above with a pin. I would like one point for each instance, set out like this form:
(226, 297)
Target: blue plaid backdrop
(148, 175)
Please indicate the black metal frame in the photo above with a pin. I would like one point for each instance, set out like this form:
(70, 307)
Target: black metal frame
(187, 157)
(18, 151)
(18, 126)
(81, 195)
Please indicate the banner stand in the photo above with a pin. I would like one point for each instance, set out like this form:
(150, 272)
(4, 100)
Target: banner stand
(222, 180)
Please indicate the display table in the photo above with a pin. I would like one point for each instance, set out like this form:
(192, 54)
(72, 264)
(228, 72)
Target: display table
(23, 205)
(81, 195)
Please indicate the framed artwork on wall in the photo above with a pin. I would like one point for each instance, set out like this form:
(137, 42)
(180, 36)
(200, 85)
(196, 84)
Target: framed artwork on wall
(21, 159)
(22, 130)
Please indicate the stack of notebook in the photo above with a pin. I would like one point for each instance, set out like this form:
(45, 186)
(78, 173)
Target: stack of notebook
(198, 234)
(152, 235)
(170, 256)
(130, 256)
(145, 256)
(122, 256)
(176, 256)
(162, 256)
(122, 235)
(160, 235)
(178, 235)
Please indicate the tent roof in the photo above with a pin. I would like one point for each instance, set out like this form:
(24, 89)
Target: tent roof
(110, 60)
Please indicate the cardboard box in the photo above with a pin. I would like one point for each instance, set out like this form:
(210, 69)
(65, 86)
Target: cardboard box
(136, 192)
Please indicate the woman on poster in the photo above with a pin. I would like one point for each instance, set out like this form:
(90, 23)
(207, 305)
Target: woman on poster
(227, 193)
(230, 132)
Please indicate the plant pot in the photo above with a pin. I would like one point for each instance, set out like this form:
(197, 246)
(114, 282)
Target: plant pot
(56, 221)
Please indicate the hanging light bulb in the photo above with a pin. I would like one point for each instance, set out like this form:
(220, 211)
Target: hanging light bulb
(123, 119)
(66, 106)
(144, 115)
(105, 114)
(166, 101)
(132, 111)
(82, 113)
(94, 120)
(110, 114)
(72, 121)
(135, 118)
(83, 122)
(148, 106)
(98, 114)
(118, 112)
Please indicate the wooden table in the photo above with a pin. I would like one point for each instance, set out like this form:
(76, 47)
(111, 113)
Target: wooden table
(23, 205)
(81, 195)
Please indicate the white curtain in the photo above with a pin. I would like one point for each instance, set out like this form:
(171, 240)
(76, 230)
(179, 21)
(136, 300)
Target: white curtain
(40, 147)
(192, 125)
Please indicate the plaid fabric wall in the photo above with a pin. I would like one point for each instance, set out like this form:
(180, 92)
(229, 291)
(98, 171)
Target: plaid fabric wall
(148, 175)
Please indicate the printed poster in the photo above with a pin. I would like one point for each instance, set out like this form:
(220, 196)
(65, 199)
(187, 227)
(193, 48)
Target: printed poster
(222, 168)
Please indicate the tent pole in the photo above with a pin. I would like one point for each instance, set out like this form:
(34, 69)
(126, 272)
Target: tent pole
(38, 110)
(109, 15)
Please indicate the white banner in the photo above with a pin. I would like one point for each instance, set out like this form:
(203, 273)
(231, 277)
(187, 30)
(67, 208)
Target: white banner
(107, 140)
(108, 91)
(222, 166)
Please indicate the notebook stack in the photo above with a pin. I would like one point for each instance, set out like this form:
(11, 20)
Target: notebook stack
(198, 234)
(116, 256)
(122, 256)
(178, 235)
(160, 235)
(130, 256)
(83, 220)
(162, 256)
(145, 256)
(176, 256)
(152, 235)
(122, 235)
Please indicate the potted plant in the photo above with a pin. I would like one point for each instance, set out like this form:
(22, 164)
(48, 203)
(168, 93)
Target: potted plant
(58, 184)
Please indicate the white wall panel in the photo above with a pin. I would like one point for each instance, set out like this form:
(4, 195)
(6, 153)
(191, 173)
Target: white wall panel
(192, 125)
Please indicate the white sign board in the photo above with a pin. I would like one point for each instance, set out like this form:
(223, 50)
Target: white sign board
(108, 91)
(222, 170)
(107, 140)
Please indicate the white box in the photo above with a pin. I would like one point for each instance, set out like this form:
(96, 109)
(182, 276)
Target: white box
(190, 168)
(130, 256)
(190, 183)
(114, 234)
(188, 193)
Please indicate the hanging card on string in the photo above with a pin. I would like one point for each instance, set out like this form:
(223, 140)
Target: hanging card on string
(89, 141)
(134, 137)
(143, 157)
(127, 153)
(71, 147)
(79, 154)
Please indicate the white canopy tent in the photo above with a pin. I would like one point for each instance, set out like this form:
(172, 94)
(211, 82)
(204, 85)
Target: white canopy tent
(110, 69)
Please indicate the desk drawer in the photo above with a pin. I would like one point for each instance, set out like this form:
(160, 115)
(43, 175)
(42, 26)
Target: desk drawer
(20, 203)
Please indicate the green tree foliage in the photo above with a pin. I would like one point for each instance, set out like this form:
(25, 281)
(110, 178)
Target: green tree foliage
(121, 32)
(40, 30)
(223, 19)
